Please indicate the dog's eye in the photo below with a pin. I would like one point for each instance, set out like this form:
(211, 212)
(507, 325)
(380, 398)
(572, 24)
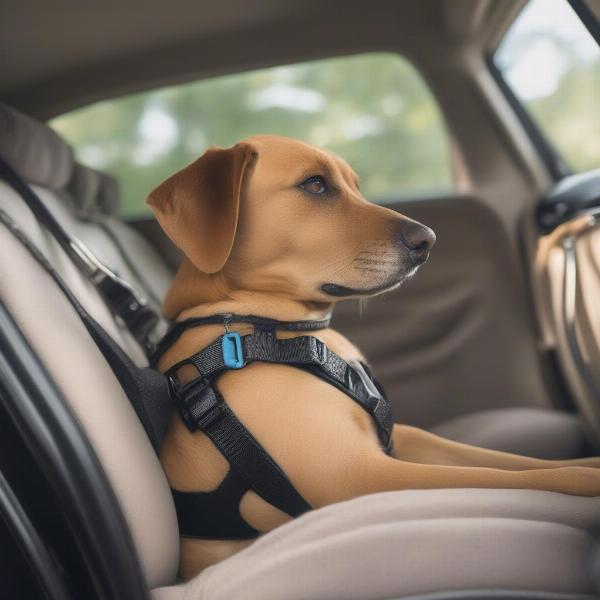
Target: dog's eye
(314, 185)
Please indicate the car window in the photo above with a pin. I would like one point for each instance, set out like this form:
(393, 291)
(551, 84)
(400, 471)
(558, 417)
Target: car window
(372, 109)
(552, 64)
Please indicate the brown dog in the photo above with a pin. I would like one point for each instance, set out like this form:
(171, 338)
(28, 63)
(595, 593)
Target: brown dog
(278, 228)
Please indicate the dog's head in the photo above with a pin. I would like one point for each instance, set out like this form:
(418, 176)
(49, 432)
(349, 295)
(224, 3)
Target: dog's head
(278, 215)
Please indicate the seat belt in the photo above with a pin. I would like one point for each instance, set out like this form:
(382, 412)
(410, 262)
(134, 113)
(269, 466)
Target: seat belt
(123, 301)
(116, 241)
(146, 388)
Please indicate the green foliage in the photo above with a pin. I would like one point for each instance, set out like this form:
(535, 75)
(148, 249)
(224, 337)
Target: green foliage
(552, 64)
(570, 117)
(373, 110)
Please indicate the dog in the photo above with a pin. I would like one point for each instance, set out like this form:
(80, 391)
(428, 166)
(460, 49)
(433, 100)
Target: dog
(279, 228)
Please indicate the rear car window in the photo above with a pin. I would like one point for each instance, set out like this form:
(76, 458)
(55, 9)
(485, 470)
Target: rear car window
(552, 64)
(372, 109)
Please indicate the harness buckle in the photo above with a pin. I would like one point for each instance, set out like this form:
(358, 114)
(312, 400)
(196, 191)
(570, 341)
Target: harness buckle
(121, 297)
(197, 402)
(314, 351)
(358, 380)
(233, 352)
(318, 350)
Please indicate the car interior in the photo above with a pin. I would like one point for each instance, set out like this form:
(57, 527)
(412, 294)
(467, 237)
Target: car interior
(495, 343)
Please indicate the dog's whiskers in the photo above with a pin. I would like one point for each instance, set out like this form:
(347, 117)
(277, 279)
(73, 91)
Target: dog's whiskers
(370, 270)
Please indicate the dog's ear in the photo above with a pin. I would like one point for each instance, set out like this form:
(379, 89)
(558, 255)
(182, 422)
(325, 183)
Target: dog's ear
(198, 207)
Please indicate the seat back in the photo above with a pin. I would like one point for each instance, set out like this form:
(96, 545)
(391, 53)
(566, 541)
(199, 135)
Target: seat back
(566, 270)
(66, 350)
(93, 200)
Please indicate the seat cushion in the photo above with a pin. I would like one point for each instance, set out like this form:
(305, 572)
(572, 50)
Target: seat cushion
(533, 432)
(398, 544)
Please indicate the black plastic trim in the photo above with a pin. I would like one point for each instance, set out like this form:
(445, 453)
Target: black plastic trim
(570, 197)
(31, 545)
(59, 446)
(555, 165)
(588, 18)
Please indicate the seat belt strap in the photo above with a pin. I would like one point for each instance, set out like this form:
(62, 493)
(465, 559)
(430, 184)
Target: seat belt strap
(123, 301)
(146, 389)
(118, 244)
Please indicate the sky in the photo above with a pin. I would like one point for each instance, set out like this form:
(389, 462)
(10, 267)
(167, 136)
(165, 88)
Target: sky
(534, 69)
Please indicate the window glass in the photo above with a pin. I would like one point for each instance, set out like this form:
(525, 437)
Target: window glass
(552, 64)
(374, 110)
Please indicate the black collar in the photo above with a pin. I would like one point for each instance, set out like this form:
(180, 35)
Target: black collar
(225, 319)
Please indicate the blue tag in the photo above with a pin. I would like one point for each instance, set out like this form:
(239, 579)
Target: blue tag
(233, 355)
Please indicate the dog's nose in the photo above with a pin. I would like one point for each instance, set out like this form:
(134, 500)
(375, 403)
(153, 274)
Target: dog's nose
(417, 238)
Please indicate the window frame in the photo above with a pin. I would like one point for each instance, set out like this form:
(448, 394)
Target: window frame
(553, 161)
(587, 17)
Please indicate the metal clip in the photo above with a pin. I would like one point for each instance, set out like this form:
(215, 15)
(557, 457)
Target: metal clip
(226, 320)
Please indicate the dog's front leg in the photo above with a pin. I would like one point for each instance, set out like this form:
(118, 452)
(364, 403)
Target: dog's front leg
(416, 445)
(387, 474)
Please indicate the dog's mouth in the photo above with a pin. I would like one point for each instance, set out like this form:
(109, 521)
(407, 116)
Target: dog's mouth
(341, 291)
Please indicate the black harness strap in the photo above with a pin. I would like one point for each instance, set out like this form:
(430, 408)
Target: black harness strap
(304, 352)
(216, 514)
(207, 411)
(178, 327)
(246, 456)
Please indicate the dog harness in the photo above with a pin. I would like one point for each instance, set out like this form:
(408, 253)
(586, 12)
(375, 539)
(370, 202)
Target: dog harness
(216, 515)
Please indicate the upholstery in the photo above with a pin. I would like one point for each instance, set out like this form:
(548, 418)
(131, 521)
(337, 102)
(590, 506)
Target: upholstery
(535, 432)
(151, 270)
(91, 192)
(73, 361)
(398, 544)
(58, 336)
(37, 152)
(87, 210)
(109, 195)
(82, 190)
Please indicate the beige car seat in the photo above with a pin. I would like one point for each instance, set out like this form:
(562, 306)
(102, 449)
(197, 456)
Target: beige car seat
(566, 275)
(382, 546)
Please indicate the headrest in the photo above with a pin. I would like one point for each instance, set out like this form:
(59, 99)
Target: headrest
(82, 190)
(34, 150)
(92, 192)
(109, 194)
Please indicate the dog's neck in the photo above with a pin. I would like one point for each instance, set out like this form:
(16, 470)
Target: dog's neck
(196, 294)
